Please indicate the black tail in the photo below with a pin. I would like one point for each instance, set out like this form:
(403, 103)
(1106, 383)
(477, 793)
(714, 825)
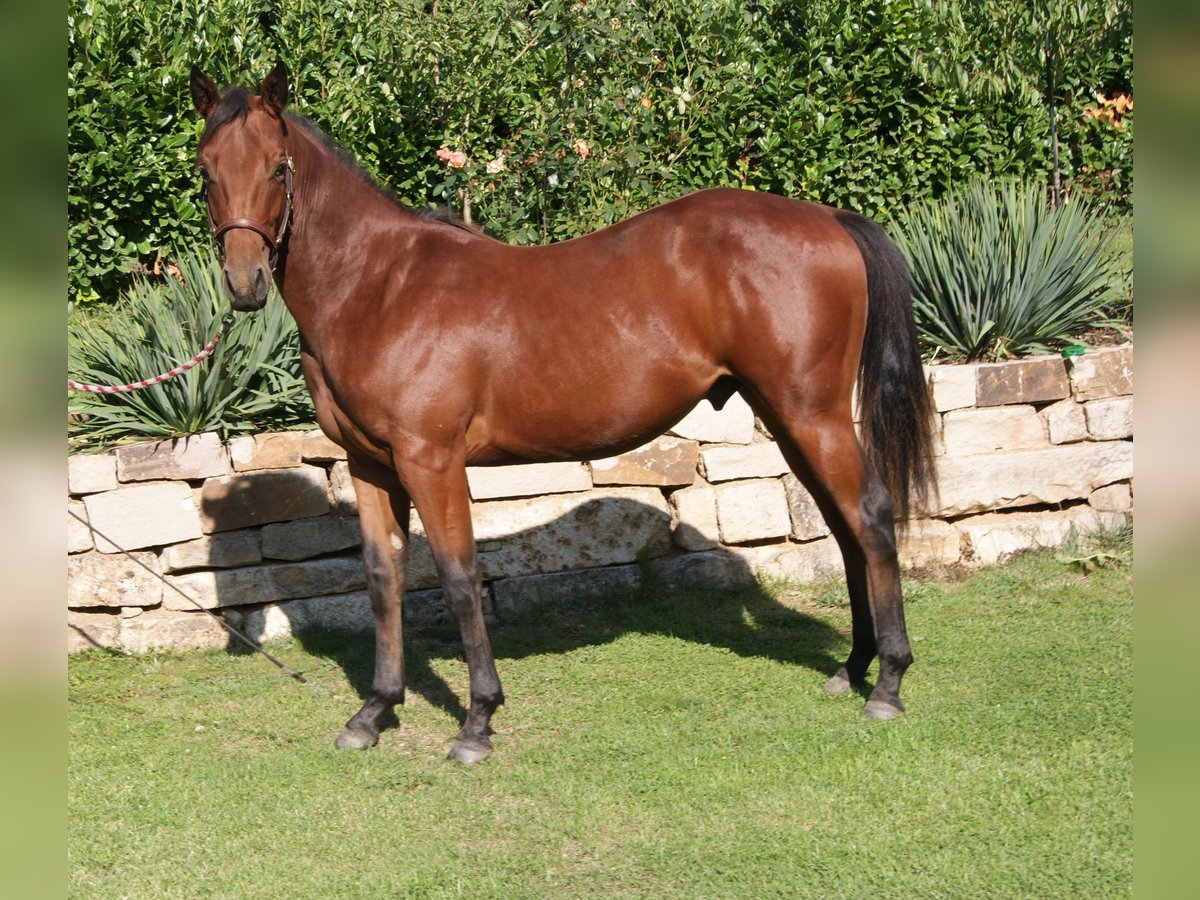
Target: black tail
(893, 396)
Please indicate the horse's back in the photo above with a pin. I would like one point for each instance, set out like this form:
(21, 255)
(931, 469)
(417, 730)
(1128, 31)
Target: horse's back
(694, 256)
(719, 274)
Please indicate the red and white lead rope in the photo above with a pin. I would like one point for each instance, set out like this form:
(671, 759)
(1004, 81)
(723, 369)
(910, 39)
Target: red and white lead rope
(226, 321)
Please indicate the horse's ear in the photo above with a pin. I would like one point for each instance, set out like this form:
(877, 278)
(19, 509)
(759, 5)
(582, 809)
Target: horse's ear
(204, 93)
(274, 91)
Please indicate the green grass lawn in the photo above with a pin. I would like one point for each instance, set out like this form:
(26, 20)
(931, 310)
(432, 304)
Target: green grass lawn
(678, 746)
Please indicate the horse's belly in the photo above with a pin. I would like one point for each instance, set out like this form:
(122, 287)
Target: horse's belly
(588, 419)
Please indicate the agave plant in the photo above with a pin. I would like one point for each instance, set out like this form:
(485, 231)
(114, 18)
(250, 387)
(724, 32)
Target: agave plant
(251, 381)
(998, 272)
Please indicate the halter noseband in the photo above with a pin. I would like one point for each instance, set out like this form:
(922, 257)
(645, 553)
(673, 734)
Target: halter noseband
(273, 241)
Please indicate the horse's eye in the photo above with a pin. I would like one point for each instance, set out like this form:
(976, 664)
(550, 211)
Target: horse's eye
(281, 170)
(204, 176)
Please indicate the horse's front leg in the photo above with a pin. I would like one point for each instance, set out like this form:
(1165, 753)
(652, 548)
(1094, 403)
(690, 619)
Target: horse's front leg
(438, 484)
(383, 509)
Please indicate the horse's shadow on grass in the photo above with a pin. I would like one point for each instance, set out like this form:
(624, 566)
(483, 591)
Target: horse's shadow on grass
(707, 598)
(733, 613)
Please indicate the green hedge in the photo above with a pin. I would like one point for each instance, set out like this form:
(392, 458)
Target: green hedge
(588, 110)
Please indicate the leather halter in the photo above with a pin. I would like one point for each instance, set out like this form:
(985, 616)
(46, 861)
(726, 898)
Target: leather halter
(273, 241)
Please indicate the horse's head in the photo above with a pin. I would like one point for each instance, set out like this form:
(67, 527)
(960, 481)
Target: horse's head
(247, 172)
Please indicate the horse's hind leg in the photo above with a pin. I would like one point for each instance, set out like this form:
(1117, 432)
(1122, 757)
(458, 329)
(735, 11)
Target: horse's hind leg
(826, 456)
(853, 674)
(383, 516)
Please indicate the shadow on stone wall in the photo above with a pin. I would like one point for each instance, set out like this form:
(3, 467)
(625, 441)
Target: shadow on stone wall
(709, 597)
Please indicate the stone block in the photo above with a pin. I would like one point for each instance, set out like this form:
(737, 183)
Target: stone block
(1030, 477)
(752, 510)
(603, 527)
(935, 427)
(1109, 420)
(341, 612)
(270, 495)
(341, 485)
(517, 596)
(1100, 374)
(732, 424)
(91, 473)
(1112, 498)
(710, 569)
(967, 432)
(266, 584)
(527, 480)
(926, 542)
(1039, 379)
(1086, 519)
(664, 462)
(428, 607)
(268, 622)
(195, 456)
(306, 538)
(113, 580)
(763, 460)
(315, 577)
(145, 515)
(94, 628)
(1065, 422)
(79, 535)
(166, 629)
(795, 562)
(952, 387)
(274, 450)
(420, 570)
(220, 587)
(350, 612)
(319, 448)
(807, 522)
(218, 551)
(696, 526)
(993, 536)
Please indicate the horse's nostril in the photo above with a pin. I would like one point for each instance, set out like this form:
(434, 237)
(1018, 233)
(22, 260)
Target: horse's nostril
(227, 286)
(260, 284)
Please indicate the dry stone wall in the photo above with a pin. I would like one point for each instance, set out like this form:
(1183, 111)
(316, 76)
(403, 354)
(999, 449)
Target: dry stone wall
(264, 529)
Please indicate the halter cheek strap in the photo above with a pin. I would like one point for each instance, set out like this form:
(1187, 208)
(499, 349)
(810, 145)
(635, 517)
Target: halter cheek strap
(273, 241)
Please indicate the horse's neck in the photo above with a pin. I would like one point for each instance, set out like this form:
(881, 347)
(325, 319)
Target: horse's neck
(325, 253)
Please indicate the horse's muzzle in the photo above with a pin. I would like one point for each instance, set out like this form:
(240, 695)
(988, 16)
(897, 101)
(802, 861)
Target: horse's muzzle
(246, 288)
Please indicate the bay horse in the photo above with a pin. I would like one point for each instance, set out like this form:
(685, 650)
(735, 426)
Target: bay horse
(428, 346)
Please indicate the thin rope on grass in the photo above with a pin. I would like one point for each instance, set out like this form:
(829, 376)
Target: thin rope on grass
(292, 673)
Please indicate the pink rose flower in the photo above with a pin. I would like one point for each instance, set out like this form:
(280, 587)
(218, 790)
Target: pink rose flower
(456, 159)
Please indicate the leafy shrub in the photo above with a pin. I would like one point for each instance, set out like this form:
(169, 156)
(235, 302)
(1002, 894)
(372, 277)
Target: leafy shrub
(997, 271)
(252, 380)
(572, 115)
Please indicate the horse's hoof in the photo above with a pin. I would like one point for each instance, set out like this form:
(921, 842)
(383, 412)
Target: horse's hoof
(838, 684)
(356, 739)
(469, 752)
(881, 711)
